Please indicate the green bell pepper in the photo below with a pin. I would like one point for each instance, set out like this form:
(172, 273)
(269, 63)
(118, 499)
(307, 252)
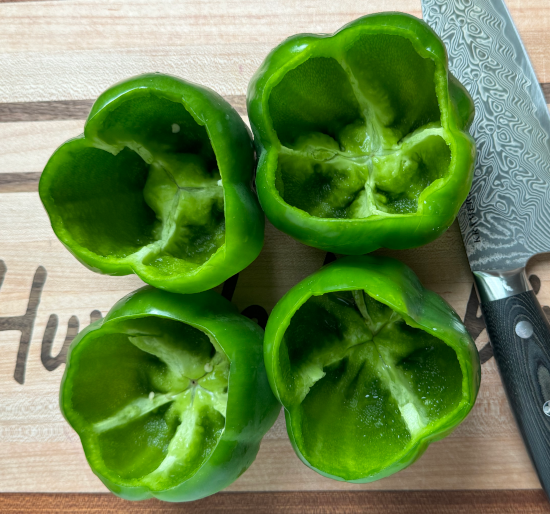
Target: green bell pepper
(362, 136)
(169, 395)
(159, 184)
(369, 366)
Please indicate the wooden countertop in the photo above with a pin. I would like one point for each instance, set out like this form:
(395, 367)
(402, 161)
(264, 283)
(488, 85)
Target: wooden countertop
(55, 57)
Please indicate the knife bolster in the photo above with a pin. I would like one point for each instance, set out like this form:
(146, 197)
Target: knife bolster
(496, 285)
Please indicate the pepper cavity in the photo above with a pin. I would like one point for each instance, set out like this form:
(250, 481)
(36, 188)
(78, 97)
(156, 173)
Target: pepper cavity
(163, 376)
(360, 130)
(353, 363)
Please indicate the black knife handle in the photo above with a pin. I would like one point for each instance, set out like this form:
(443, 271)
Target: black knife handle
(524, 365)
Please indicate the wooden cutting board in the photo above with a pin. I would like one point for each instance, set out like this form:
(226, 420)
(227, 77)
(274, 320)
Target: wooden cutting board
(55, 57)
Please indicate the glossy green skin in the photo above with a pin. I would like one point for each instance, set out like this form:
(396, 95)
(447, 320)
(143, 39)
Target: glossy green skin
(251, 406)
(438, 204)
(106, 244)
(391, 283)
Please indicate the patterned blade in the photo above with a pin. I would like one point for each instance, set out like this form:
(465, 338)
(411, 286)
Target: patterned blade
(506, 218)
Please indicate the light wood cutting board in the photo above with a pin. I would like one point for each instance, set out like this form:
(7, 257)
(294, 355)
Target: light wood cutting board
(55, 57)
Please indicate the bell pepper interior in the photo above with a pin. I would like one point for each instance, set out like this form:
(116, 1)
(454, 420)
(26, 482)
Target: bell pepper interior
(100, 198)
(154, 393)
(360, 130)
(360, 384)
(162, 191)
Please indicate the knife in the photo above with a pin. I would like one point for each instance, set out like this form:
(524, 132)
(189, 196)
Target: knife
(506, 218)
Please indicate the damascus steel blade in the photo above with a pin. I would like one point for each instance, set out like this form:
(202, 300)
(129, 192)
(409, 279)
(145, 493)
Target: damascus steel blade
(506, 218)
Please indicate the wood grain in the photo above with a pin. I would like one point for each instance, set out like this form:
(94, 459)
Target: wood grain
(413, 502)
(76, 51)
(57, 55)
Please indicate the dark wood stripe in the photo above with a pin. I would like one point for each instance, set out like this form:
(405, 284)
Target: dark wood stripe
(19, 183)
(72, 109)
(45, 111)
(386, 502)
(79, 109)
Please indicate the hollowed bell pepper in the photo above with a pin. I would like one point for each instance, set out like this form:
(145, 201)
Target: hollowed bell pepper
(362, 136)
(159, 184)
(369, 366)
(169, 395)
